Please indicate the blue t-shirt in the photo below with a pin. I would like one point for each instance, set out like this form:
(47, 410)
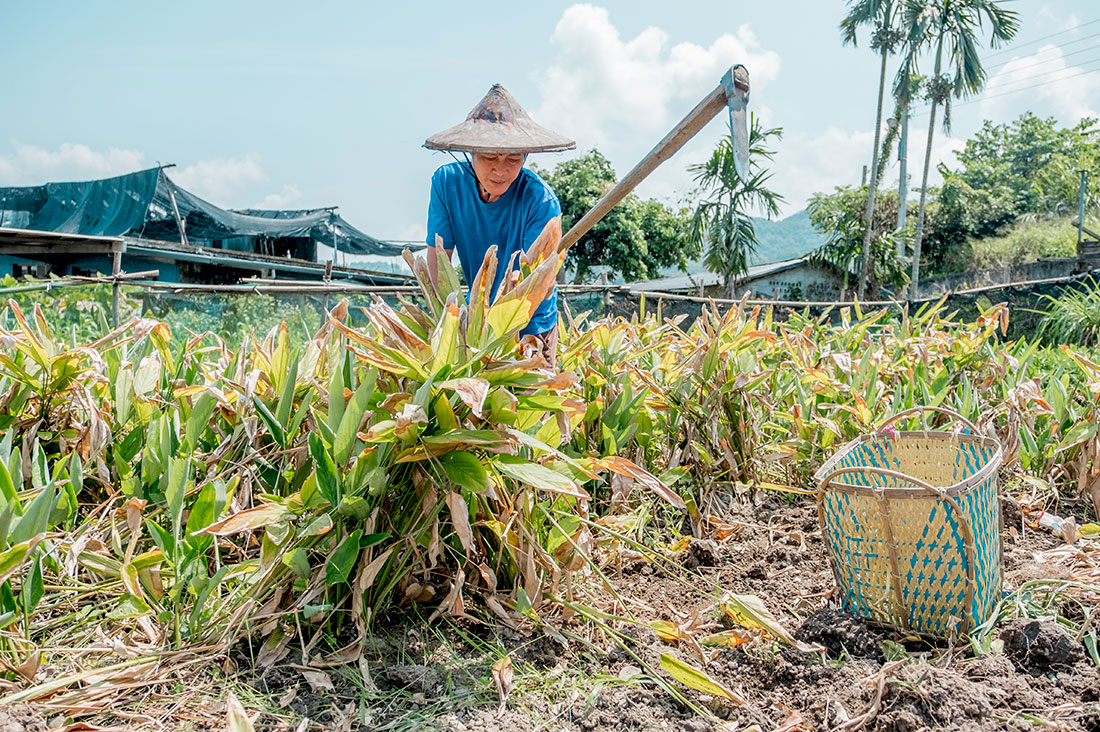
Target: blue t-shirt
(512, 223)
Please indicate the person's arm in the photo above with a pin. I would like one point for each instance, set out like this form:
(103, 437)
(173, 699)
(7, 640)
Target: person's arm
(439, 224)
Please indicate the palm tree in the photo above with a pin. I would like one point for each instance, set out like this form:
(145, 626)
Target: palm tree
(882, 15)
(721, 221)
(949, 28)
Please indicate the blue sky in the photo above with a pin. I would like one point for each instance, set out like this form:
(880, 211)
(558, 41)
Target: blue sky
(294, 105)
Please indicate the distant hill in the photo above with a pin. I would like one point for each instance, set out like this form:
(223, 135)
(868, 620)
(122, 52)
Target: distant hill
(787, 238)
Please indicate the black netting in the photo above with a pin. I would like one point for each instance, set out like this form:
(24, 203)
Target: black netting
(141, 205)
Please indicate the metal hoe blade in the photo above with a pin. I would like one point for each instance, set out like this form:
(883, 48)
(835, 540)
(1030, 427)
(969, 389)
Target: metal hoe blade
(736, 83)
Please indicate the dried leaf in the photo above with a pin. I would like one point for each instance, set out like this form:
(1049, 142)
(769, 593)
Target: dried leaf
(644, 478)
(318, 680)
(502, 678)
(749, 611)
(471, 391)
(250, 518)
(460, 519)
(236, 719)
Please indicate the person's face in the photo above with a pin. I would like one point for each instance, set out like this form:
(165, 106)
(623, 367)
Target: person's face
(497, 172)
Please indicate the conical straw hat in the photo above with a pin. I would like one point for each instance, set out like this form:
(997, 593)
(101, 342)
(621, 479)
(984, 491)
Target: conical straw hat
(499, 125)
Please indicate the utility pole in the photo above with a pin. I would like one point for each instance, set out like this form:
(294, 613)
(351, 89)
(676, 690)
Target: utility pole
(903, 180)
(1081, 211)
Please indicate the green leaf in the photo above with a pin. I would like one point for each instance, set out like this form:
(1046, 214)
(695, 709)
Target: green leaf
(508, 315)
(36, 519)
(303, 410)
(76, 473)
(353, 415)
(8, 493)
(356, 507)
(1078, 433)
(336, 393)
(199, 419)
(328, 482)
(178, 473)
(697, 679)
(207, 507)
(465, 470)
(12, 559)
(340, 565)
(163, 539)
(129, 606)
(537, 476)
(272, 424)
(286, 399)
(298, 561)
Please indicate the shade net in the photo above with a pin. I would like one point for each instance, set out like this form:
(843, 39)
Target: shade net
(140, 205)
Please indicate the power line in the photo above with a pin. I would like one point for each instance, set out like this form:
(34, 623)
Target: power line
(1034, 65)
(994, 69)
(1050, 73)
(1043, 38)
(1033, 86)
(1014, 91)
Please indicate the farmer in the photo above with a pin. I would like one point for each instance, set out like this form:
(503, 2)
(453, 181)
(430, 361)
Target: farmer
(491, 199)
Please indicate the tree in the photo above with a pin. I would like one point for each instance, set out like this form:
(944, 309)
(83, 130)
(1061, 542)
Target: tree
(882, 15)
(722, 223)
(1029, 167)
(949, 26)
(841, 217)
(635, 240)
(1033, 163)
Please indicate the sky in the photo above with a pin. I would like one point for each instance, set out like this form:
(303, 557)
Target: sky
(292, 105)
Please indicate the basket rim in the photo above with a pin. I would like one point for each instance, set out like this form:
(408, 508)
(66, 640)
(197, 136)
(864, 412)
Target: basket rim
(953, 490)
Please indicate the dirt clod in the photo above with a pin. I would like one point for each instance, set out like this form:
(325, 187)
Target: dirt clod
(1039, 646)
(841, 633)
(700, 553)
(22, 718)
(414, 678)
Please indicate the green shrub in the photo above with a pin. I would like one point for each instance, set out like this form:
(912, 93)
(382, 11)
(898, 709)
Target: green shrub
(1025, 242)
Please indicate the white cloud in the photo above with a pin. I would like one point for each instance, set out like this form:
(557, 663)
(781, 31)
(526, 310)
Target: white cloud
(221, 181)
(623, 95)
(416, 231)
(1044, 81)
(30, 165)
(808, 163)
(283, 199)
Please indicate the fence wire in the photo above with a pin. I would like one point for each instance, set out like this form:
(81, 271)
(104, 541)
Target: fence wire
(81, 312)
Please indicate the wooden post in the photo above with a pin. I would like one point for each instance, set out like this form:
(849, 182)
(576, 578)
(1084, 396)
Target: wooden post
(606, 292)
(328, 281)
(116, 268)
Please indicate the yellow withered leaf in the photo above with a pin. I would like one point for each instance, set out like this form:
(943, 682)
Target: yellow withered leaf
(698, 679)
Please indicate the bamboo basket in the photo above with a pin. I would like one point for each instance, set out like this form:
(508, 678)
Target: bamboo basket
(912, 524)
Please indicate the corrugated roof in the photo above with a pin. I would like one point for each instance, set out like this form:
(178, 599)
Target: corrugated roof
(692, 282)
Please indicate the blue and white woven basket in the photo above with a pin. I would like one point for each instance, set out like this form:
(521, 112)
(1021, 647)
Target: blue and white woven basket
(912, 523)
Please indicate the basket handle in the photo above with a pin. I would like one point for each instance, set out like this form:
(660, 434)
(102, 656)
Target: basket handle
(942, 410)
(878, 471)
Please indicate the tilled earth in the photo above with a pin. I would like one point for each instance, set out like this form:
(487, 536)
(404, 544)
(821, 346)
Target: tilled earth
(867, 678)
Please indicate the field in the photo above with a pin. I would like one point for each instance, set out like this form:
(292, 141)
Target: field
(406, 520)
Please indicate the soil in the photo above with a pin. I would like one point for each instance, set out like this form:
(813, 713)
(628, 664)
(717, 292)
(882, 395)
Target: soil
(22, 718)
(865, 677)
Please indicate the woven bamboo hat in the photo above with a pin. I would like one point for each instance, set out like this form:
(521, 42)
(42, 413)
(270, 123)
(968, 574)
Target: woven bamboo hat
(499, 125)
